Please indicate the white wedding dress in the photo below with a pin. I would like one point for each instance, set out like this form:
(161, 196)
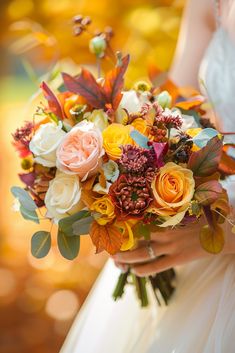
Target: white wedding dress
(201, 316)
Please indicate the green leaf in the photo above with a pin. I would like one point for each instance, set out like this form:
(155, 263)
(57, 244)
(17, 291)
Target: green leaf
(212, 239)
(205, 161)
(142, 230)
(40, 244)
(208, 192)
(65, 224)
(82, 226)
(140, 139)
(29, 215)
(68, 246)
(24, 198)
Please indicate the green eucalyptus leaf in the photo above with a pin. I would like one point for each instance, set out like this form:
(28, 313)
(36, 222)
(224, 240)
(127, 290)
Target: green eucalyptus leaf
(140, 139)
(65, 224)
(24, 198)
(68, 246)
(82, 226)
(29, 215)
(40, 244)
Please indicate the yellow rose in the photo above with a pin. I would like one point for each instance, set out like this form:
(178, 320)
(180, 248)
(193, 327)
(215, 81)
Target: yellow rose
(141, 125)
(173, 189)
(105, 210)
(115, 136)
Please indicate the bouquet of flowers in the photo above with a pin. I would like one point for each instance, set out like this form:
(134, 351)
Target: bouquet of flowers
(119, 164)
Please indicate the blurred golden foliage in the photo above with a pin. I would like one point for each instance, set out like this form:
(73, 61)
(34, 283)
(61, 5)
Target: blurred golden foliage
(39, 298)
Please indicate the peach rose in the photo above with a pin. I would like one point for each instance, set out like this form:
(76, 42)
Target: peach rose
(173, 189)
(81, 150)
(115, 136)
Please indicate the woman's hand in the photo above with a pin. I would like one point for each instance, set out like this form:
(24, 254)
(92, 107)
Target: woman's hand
(173, 246)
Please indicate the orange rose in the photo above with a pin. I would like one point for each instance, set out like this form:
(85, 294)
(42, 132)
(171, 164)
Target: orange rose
(173, 189)
(71, 101)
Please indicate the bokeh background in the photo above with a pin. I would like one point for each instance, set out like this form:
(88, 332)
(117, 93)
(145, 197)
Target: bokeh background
(40, 298)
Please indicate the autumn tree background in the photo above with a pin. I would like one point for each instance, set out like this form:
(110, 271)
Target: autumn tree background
(40, 298)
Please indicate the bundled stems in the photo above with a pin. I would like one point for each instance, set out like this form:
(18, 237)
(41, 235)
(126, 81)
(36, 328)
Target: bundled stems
(160, 283)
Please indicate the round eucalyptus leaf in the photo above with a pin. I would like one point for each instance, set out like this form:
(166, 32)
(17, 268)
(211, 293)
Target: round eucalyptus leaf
(40, 244)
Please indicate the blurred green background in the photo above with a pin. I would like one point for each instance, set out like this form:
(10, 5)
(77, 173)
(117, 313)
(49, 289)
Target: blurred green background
(40, 298)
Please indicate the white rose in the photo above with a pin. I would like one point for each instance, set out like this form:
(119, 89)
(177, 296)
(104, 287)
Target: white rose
(63, 198)
(45, 142)
(132, 102)
(99, 118)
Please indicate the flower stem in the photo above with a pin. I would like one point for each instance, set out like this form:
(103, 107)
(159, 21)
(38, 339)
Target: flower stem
(140, 284)
(119, 289)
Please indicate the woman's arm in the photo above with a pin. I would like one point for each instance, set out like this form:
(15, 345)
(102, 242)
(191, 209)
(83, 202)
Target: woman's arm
(197, 28)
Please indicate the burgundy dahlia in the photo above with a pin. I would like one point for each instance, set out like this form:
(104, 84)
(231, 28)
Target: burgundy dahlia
(131, 196)
(135, 160)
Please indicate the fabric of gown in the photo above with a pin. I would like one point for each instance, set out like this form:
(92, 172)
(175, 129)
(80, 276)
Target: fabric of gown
(201, 314)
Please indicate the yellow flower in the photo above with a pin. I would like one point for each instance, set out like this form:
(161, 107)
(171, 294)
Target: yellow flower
(115, 136)
(105, 210)
(140, 125)
(173, 189)
(125, 229)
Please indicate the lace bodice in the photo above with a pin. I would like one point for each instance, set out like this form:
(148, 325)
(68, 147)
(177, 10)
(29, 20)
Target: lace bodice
(217, 72)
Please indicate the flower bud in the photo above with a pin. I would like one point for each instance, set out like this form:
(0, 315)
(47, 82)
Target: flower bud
(164, 99)
(97, 45)
(26, 163)
(142, 86)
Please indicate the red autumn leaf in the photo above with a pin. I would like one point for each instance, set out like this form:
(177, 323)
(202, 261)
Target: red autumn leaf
(227, 163)
(53, 102)
(160, 149)
(85, 84)
(208, 192)
(205, 161)
(114, 83)
(107, 238)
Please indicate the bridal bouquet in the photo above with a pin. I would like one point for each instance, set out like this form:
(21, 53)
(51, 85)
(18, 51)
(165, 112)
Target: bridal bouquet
(119, 164)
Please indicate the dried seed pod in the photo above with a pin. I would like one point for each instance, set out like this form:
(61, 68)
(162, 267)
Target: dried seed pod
(86, 21)
(77, 19)
(77, 30)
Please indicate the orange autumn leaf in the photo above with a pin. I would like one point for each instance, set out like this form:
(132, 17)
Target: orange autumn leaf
(102, 179)
(188, 91)
(171, 88)
(227, 163)
(190, 104)
(107, 238)
(221, 205)
(212, 239)
(88, 184)
(113, 84)
(88, 197)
